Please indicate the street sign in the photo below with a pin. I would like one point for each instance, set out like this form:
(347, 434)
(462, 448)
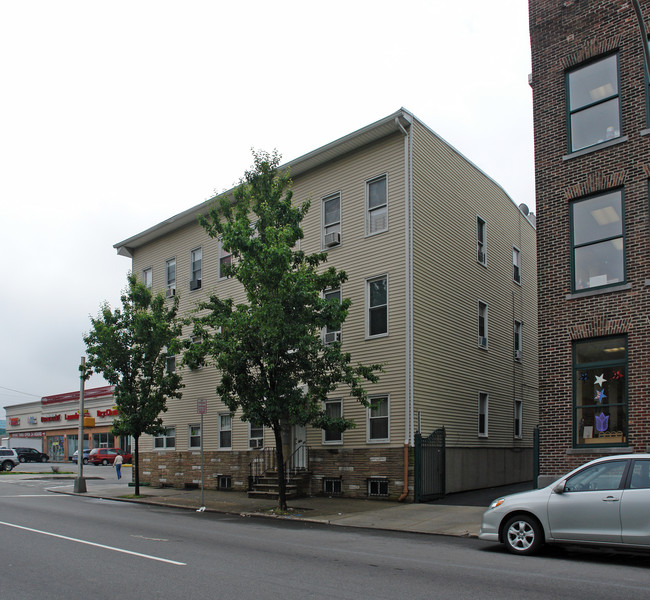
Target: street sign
(202, 406)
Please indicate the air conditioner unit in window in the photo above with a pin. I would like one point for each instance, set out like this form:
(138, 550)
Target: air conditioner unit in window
(195, 284)
(332, 337)
(482, 341)
(170, 292)
(332, 239)
(517, 354)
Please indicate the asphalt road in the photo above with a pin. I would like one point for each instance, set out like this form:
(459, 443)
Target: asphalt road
(58, 546)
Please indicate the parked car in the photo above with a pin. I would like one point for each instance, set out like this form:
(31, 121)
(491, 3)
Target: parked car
(106, 456)
(31, 455)
(8, 459)
(604, 503)
(85, 456)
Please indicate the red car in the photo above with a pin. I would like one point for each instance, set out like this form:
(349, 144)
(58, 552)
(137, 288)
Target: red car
(106, 456)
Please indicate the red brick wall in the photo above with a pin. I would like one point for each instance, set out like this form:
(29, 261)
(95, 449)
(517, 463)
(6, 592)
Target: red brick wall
(564, 33)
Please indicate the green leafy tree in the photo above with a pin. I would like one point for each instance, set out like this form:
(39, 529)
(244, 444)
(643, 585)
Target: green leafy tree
(273, 363)
(129, 347)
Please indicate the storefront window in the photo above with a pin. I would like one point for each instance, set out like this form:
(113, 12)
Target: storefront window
(103, 440)
(73, 444)
(55, 448)
(600, 392)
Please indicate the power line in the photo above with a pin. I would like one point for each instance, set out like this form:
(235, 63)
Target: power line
(19, 392)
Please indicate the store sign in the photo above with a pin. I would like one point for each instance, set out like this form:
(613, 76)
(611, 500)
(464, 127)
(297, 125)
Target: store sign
(32, 420)
(50, 418)
(14, 421)
(75, 416)
(111, 412)
(28, 434)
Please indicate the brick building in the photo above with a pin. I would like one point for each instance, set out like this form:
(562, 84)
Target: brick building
(592, 160)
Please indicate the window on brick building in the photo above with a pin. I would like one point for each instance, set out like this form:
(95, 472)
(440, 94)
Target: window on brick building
(598, 241)
(593, 103)
(600, 392)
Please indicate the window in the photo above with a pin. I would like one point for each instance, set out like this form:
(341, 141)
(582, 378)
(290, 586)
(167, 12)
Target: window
(377, 205)
(516, 265)
(103, 440)
(195, 265)
(147, 277)
(518, 420)
(598, 241)
(602, 476)
(255, 435)
(225, 431)
(333, 410)
(377, 487)
(332, 486)
(377, 294)
(481, 255)
(166, 440)
(170, 363)
(225, 259)
(518, 340)
(195, 436)
(170, 277)
(482, 415)
(378, 425)
(600, 391)
(640, 479)
(332, 221)
(594, 111)
(333, 334)
(482, 325)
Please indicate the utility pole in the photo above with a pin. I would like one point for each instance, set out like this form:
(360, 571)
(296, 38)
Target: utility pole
(80, 482)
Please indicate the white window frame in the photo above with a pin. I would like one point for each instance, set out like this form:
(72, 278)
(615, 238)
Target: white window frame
(518, 341)
(332, 335)
(251, 438)
(483, 411)
(334, 226)
(170, 284)
(369, 308)
(518, 419)
(194, 271)
(339, 441)
(162, 441)
(223, 255)
(192, 435)
(482, 316)
(170, 360)
(369, 417)
(224, 429)
(516, 265)
(377, 208)
(481, 244)
(147, 277)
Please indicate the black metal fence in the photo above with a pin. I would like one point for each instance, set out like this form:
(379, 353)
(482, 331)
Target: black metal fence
(430, 466)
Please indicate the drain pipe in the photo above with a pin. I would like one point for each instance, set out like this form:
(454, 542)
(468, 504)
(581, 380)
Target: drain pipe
(409, 304)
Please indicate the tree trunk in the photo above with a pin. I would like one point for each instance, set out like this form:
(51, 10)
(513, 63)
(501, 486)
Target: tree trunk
(279, 457)
(136, 465)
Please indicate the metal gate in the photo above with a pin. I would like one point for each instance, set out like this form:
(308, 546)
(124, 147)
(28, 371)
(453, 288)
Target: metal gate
(430, 466)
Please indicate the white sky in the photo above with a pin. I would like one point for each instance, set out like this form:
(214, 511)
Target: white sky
(117, 115)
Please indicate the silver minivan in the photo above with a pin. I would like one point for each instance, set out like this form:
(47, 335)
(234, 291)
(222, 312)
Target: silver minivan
(603, 502)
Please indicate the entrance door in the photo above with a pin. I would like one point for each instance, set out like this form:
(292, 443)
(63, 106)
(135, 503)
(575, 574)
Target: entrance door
(298, 448)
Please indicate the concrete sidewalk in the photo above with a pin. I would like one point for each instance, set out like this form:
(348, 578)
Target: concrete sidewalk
(435, 518)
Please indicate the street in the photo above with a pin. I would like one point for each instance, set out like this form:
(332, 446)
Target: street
(61, 546)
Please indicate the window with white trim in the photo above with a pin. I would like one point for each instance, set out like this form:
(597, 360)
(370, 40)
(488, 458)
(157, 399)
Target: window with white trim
(225, 259)
(170, 277)
(518, 419)
(481, 236)
(225, 431)
(170, 363)
(147, 277)
(195, 436)
(255, 435)
(332, 334)
(377, 302)
(332, 220)
(333, 410)
(377, 205)
(482, 415)
(516, 265)
(166, 440)
(482, 325)
(196, 260)
(518, 340)
(378, 419)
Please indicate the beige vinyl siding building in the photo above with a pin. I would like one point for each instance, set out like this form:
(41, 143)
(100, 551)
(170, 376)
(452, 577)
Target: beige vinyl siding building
(393, 205)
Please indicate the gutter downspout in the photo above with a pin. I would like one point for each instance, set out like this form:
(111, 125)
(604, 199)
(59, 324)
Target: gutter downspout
(408, 192)
(644, 35)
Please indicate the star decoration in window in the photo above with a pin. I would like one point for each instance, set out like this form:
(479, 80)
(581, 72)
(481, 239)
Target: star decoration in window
(600, 379)
(600, 396)
(602, 422)
(616, 375)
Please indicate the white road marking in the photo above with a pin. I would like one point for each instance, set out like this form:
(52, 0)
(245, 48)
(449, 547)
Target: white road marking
(70, 539)
(36, 496)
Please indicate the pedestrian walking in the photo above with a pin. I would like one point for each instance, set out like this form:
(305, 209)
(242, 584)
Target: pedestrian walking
(118, 465)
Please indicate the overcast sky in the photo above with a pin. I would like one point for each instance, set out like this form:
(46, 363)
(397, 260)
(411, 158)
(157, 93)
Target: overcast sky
(117, 115)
